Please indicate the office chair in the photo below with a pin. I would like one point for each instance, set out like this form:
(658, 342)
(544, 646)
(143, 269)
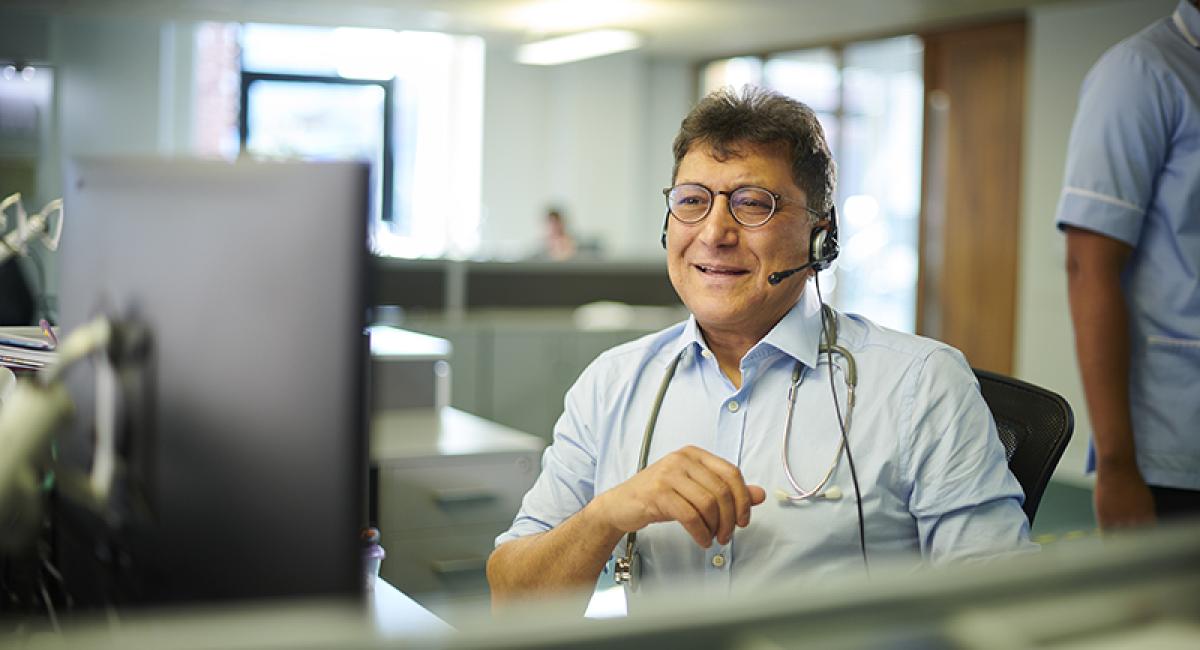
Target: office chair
(1035, 426)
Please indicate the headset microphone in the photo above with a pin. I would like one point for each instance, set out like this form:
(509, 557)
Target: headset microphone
(779, 276)
(822, 250)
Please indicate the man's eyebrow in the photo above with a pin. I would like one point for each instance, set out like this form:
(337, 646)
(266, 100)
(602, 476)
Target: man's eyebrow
(743, 182)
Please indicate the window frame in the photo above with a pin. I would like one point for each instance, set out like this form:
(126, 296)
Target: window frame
(249, 78)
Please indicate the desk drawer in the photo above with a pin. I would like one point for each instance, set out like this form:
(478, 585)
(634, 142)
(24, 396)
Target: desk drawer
(452, 491)
(446, 564)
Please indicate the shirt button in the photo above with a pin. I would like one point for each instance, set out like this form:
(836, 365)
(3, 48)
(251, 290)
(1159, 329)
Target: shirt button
(733, 406)
(706, 354)
(718, 560)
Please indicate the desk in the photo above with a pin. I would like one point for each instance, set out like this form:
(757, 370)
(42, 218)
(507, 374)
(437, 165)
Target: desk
(448, 483)
(408, 370)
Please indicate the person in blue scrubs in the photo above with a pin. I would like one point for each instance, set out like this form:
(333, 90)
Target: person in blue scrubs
(1130, 209)
(742, 385)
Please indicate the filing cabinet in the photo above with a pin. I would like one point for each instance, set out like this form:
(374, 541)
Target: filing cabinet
(448, 483)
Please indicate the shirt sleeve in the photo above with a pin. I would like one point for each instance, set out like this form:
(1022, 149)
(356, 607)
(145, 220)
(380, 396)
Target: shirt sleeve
(1117, 147)
(567, 481)
(966, 502)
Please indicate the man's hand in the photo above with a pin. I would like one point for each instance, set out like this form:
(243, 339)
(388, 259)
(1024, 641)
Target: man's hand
(1122, 498)
(700, 490)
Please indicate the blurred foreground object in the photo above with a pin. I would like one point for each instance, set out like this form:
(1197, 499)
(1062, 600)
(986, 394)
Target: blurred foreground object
(18, 304)
(30, 415)
(30, 228)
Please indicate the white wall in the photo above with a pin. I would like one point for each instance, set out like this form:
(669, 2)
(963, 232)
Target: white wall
(122, 86)
(1064, 41)
(593, 137)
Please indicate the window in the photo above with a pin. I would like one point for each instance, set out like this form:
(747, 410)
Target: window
(410, 103)
(868, 97)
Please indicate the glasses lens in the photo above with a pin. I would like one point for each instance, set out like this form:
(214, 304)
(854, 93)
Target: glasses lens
(752, 205)
(689, 203)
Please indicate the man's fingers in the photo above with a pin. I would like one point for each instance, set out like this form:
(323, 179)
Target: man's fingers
(757, 494)
(702, 500)
(723, 496)
(731, 476)
(679, 509)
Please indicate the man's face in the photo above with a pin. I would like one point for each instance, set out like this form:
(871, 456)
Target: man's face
(718, 267)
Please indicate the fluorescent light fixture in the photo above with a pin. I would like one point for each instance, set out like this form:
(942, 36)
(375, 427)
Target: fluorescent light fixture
(575, 47)
(568, 16)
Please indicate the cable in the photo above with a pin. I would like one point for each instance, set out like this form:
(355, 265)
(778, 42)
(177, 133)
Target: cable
(837, 408)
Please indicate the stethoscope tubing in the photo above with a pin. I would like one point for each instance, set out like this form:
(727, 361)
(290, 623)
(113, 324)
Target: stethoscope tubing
(626, 565)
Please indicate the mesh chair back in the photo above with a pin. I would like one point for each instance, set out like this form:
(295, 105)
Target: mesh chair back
(1035, 426)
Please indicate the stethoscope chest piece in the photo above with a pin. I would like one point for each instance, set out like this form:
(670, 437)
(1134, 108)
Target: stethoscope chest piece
(628, 570)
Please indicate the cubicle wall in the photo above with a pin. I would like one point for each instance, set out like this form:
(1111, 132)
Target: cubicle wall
(457, 285)
(515, 367)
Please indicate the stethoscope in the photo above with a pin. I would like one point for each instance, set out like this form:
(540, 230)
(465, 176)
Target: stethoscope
(628, 567)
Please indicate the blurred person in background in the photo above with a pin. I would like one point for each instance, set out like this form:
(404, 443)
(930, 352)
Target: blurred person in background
(557, 244)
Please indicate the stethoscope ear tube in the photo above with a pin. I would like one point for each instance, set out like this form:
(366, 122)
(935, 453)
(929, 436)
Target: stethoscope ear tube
(627, 566)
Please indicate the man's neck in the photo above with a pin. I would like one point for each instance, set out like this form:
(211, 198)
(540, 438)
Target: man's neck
(729, 348)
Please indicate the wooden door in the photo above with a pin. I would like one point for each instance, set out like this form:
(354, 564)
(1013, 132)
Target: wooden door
(974, 106)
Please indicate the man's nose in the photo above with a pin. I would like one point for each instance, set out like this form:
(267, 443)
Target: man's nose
(719, 228)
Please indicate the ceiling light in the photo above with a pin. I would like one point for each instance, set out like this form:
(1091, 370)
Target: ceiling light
(562, 16)
(575, 47)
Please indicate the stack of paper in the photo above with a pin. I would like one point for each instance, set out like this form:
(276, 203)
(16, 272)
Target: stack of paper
(25, 348)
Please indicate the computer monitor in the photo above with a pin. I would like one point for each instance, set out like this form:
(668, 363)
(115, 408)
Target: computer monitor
(243, 432)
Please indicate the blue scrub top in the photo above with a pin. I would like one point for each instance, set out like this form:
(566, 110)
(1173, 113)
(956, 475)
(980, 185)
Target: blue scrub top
(1133, 174)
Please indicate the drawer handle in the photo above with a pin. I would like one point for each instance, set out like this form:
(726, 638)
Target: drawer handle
(451, 496)
(460, 566)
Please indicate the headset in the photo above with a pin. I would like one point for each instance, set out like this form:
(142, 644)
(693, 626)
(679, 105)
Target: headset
(823, 246)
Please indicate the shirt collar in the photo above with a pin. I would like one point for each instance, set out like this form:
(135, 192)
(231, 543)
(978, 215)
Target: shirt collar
(797, 334)
(1187, 21)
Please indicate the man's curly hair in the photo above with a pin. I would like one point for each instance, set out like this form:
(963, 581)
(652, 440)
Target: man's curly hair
(726, 120)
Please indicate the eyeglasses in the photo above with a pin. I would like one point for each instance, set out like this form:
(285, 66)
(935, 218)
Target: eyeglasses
(750, 206)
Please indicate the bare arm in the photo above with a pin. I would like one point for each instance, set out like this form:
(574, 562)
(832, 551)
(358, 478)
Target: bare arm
(1094, 264)
(705, 494)
(566, 559)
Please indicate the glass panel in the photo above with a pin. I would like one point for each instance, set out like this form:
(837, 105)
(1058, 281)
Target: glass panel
(833, 136)
(25, 108)
(318, 121)
(735, 73)
(810, 76)
(289, 49)
(879, 187)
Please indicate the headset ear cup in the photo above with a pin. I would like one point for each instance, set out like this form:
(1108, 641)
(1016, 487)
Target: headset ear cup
(816, 248)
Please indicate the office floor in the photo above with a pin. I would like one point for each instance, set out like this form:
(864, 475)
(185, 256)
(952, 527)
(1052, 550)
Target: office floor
(1064, 513)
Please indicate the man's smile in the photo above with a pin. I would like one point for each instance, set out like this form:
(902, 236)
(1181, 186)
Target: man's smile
(720, 269)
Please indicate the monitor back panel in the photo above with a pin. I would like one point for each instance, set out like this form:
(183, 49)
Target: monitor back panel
(248, 479)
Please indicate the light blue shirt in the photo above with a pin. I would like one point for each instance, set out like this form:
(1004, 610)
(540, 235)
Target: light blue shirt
(1133, 174)
(935, 484)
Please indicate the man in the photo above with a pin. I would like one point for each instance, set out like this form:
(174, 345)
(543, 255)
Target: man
(753, 182)
(1131, 212)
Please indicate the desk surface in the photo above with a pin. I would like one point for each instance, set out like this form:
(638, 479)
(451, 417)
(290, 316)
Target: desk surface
(395, 614)
(395, 344)
(417, 433)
